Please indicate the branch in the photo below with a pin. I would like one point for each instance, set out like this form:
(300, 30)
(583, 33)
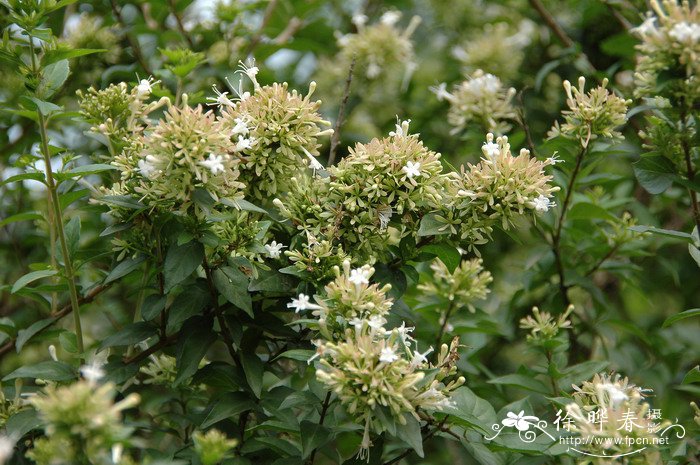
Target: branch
(324, 409)
(335, 138)
(64, 311)
(255, 41)
(180, 25)
(135, 47)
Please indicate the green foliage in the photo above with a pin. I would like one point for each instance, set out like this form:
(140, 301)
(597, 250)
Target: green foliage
(195, 274)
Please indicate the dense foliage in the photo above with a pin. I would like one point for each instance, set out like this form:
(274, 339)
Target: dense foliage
(305, 232)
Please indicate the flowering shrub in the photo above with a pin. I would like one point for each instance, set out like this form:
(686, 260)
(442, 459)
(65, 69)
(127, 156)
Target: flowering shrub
(207, 265)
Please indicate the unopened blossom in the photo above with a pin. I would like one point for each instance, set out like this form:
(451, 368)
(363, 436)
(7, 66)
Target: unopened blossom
(543, 326)
(465, 285)
(592, 114)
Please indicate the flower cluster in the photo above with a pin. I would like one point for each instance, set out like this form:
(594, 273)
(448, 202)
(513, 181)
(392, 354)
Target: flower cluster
(212, 446)
(481, 99)
(609, 407)
(373, 370)
(376, 373)
(87, 32)
(380, 48)
(317, 260)
(276, 133)
(543, 326)
(670, 45)
(497, 49)
(467, 283)
(497, 189)
(591, 114)
(382, 185)
(82, 421)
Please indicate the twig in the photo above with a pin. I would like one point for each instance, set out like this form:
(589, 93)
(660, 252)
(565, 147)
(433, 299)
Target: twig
(162, 342)
(446, 316)
(610, 253)
(523, 123)
(324, 409)
(335, 139)
(255, 41)
(180, 25)
(135, 47)
(64, 311)
(557, 29)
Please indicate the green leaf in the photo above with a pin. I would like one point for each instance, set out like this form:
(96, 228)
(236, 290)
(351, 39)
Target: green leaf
(50, 370)
(673, 319)
(24, 177)
(522, 381)
(31, 277)
(226, 407)
(410, 433)
(192, 346)
(24, 335)
(663, 232)
(253, 368)
(69, 342)
(430, 225)
(589, 211)
(583, 371)
(152, 306)
(129, 335)
(271, 281)
(240, 204)
(122, 201)
(53, 78)
(448, 254)
(43, 107)
(27, 216)
(655, 173)
(181, 261)
(72, 232)
(187, 304)
(302, 355)
(313, 436)
(22, 422)
(693, 376)
(471, 410)
(233, 285)
(124, 267)
(52, 56)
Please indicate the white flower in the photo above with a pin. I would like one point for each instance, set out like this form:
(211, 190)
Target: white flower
(221, 99)
(411, 169)
(388, 355)
(404, 332)
(401, 129)
(553, 160)
(418, 358)
(390, 18)
(7, 448)
(146, 168)
(648, 27)
(357, 323)
(92, 372)
(373, 70)
(486, 84)
(359, 20)
(359, 276)
(244, 144)
(274, 249)
(117, 451)
(302, 303)
(313, 162)
(520, 421)
(385, 212)
(491, 150)
(214, 163)
(686, 33)
(441, 92)
(376, 322)
(617, 396)
(240, 128)
(251, 71)
(543, 204)
(144, 88)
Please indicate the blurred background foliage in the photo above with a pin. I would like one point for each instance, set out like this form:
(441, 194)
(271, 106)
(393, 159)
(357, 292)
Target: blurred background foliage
(623, 290)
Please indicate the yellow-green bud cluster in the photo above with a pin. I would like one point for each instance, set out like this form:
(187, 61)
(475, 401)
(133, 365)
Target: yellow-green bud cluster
(468, 283)
(480, 99)
(592, 114)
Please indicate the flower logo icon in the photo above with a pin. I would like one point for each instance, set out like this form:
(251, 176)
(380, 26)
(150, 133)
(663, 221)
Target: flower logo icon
(520, 421)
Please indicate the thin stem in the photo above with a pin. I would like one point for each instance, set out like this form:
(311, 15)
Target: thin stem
(225, 332)
(600, 262)
(58, 223)
(65, 310)
(556, 237)
(135, 47)
(689, 168)
(335, 139)
(445, 318)
(557, 29)
(324, 409)
(552, 380)
(180, 25)
(255, 41)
